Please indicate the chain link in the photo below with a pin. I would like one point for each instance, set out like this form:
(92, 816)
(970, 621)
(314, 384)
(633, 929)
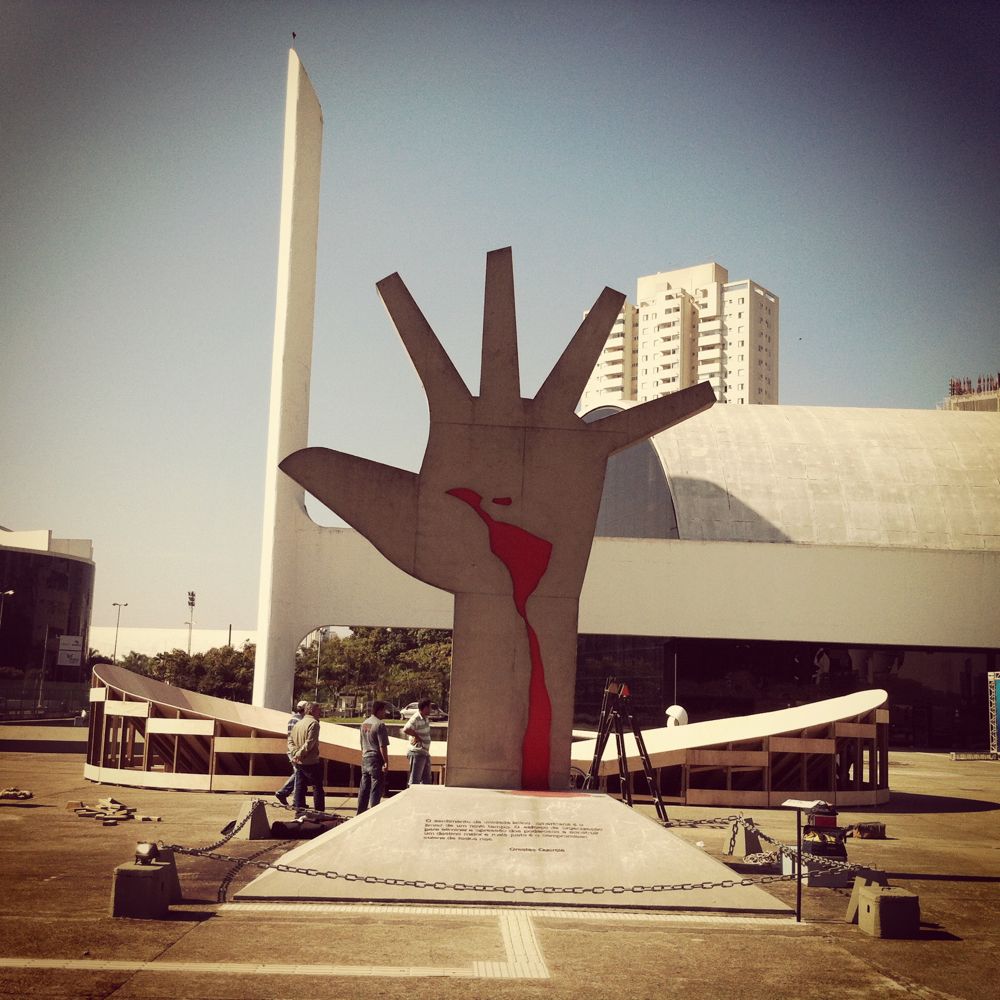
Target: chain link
(716, 821)
(736, 820)
(316, 814)
(548, 890)
(227, 879)
(226, 837)
(774, 857)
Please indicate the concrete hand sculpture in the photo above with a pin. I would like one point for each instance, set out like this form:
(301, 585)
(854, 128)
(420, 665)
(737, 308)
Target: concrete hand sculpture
(502, 515)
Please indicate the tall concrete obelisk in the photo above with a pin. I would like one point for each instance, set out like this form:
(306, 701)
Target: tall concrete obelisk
(288, 419)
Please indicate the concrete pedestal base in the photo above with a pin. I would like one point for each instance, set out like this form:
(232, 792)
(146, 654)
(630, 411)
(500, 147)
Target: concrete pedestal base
(438, 844)
(889, 912)
(141, 891)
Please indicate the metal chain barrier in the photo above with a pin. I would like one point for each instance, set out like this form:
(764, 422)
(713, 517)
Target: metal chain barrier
(304, 811)
(774, 857)
(253, 861)
(227, 879)
(226, 837)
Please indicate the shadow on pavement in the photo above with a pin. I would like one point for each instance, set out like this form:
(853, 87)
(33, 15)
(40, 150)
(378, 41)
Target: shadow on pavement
(936, 877)
(190, 916)
(914, 802)
(935, 932)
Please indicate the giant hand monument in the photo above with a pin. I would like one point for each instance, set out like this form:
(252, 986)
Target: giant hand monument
(502, 515)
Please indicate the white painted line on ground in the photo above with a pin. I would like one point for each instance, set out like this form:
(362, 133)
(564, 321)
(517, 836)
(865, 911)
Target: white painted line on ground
(564, 912)
(235, 968)
(524, 961)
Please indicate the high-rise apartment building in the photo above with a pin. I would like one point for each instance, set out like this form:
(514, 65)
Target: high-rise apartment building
(691, 325)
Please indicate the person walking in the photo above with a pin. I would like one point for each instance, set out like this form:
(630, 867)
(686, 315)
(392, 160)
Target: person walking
(374, 757)
(419, 753)
(303, 751)
(288, 787)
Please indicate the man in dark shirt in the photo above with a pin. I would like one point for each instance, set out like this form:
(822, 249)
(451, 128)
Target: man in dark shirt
(374, 757)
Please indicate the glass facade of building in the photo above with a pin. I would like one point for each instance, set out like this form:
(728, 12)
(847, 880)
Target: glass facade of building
(52, 599)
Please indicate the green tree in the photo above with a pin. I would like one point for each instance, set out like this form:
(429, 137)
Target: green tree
(138, 663)
(225, 671)
(228, 672)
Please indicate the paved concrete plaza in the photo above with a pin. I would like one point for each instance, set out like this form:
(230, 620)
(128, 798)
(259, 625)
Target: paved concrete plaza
(57, 940)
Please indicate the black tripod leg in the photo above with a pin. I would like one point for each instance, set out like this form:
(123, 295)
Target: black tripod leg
(623, 775)
(603, 732)
(647, 765)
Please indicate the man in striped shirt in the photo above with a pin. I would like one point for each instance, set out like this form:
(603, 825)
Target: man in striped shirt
(419, 754)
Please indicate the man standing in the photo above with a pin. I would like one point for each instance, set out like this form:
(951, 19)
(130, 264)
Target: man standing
(303, 751)
(374, 757)
(419, 754)
(289, 786)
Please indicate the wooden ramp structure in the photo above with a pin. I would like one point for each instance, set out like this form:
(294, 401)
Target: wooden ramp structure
(836, 749)
(147, 733)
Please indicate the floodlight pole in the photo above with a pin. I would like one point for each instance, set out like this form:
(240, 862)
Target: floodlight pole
(118, 621)
(190, 622)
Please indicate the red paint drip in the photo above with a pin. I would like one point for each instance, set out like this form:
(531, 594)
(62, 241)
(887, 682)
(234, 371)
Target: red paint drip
(503, 501)
(526, 557)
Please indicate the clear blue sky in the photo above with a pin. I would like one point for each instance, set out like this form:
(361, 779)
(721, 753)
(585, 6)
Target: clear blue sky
(844, 155)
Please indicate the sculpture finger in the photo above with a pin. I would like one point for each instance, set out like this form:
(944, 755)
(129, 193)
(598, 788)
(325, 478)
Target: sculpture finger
(561, 390)
(447, 393)
(380, 501)
(499, 380)
(638, 422)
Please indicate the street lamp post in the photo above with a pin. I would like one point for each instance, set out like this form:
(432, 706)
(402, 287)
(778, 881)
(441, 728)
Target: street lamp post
(319, 648)
(4, 594)
(118, 621)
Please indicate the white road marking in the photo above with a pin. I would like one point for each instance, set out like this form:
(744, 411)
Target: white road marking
(524, 961)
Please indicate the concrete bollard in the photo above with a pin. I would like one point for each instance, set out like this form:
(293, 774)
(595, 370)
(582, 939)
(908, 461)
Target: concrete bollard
(141, 891)
(165, 858)
(888, 912)
(258, 828)
(747, 842)
(860, 882)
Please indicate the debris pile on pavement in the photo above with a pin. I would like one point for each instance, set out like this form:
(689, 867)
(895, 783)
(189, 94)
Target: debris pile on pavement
(15, 793)
(110, 812)
(872, 830)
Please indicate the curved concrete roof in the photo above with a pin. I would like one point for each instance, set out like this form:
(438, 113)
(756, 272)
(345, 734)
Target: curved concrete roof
(923, 479)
